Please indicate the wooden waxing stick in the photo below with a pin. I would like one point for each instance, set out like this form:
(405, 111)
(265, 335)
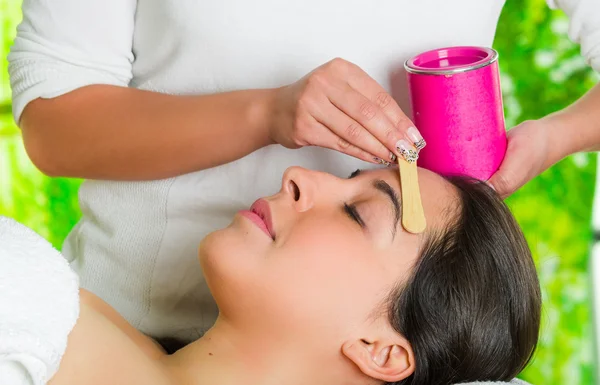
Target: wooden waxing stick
(413, 216)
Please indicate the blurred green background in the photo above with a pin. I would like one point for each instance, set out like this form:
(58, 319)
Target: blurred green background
(542, 72)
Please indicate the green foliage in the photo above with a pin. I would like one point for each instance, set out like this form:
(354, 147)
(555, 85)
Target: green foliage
(47, 205)
(541, 73)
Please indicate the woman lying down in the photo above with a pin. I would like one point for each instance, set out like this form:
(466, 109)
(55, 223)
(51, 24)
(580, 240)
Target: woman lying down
(323, 286)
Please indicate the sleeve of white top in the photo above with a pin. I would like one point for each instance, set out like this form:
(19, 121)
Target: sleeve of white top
(584, 26)
(62, 45)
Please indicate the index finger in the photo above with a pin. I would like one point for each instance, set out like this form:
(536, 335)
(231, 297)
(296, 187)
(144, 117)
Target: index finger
(360, 81)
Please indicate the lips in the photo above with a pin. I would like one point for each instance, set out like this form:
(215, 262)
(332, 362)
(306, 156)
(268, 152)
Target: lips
(262, 210)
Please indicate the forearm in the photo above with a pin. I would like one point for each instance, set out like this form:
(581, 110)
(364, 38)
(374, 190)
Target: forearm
(577, 127)
(107, 132)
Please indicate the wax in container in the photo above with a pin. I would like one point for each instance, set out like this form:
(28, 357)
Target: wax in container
(457, 106)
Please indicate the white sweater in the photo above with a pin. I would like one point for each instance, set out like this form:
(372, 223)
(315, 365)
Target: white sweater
(136, 244)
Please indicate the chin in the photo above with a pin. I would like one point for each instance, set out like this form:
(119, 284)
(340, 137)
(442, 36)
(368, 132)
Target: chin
(227, 267)
(212, 245)
(228, 254)
(211, 252)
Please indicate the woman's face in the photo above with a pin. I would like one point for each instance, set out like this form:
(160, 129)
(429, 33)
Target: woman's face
(338, 250)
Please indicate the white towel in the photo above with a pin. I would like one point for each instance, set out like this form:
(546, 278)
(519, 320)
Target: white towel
(513, 382)
(39, 305)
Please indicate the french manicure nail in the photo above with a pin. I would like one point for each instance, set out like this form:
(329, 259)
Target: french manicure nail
(407, 151)
(381, 161)
(416, 138)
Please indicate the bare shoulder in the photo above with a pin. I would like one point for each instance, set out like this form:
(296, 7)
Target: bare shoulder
(146, 344)
(104, 349)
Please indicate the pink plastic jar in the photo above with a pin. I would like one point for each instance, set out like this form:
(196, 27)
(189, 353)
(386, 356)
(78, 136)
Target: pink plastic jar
(457, 106)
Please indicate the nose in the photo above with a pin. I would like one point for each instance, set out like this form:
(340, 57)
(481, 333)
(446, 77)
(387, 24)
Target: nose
(300, 184)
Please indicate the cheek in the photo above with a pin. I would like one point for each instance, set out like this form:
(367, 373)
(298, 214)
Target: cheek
(320, 276)
(326, 279)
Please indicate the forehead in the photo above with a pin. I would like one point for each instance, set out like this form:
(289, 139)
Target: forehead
(437, 194)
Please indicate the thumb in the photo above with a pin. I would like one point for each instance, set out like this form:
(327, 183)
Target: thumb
(505, 181)
(499, 183)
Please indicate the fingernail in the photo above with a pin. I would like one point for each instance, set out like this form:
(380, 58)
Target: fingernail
(407, 151)
(416, 138)
(381, 161)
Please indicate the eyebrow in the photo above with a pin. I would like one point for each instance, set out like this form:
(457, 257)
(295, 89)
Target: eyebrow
(384, 187)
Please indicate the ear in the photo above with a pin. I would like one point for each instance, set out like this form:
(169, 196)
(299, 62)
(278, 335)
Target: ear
(388, 361)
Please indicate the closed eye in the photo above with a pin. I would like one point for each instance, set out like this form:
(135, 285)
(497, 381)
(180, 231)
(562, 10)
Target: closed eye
(353, 214)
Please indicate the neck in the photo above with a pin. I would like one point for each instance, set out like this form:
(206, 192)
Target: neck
(227, 356)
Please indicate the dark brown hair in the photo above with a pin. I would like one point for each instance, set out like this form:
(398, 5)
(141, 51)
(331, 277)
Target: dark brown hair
(471, 309)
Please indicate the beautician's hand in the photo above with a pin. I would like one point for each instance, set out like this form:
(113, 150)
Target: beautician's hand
(528, 154)
(338, 106)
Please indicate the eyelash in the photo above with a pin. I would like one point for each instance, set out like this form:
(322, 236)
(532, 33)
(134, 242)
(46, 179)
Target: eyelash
(353, 214)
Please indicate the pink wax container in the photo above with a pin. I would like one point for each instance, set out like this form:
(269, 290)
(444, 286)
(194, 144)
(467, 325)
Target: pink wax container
(457, 106)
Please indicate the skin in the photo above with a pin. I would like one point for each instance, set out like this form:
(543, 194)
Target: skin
(117, 133)
(536, 145)
(305, 308)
